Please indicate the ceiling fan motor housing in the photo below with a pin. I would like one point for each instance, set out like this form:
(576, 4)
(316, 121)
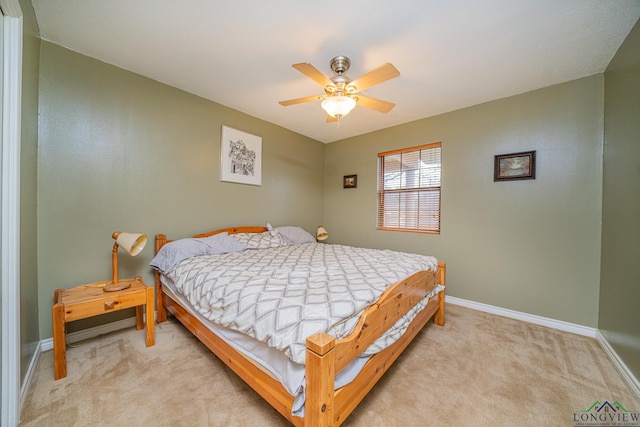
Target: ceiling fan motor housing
(340, 65)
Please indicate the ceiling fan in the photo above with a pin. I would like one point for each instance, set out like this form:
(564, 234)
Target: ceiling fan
(341, 93)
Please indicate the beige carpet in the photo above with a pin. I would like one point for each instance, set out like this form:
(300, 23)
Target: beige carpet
(477, 370)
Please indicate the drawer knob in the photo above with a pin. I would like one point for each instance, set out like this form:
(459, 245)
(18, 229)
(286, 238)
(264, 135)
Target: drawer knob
(109, 305)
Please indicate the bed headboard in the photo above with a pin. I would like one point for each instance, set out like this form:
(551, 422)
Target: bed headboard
(234, 230)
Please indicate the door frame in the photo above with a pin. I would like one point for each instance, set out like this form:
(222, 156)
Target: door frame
(10, 209)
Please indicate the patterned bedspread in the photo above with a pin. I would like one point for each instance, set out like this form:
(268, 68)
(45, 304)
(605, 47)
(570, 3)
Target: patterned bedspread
(283, 295)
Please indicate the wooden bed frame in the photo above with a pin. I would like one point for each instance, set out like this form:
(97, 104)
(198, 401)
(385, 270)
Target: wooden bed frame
(324, 406)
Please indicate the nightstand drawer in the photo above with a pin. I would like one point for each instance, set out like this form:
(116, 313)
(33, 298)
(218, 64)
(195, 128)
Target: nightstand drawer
(106, 304)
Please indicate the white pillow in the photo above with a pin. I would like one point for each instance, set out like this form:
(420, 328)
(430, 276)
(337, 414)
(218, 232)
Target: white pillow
(222, 243)
(295, 235)
(174, 252)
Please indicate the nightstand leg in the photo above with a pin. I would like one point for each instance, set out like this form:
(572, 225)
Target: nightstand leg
(151, 340)
(139, 321)
(59, 342)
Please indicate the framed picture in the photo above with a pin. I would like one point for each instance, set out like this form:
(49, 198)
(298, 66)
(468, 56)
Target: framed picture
(515, 166)
(240, 157)
(350, 181)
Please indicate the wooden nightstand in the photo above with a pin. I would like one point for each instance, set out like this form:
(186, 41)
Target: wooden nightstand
(90, 300)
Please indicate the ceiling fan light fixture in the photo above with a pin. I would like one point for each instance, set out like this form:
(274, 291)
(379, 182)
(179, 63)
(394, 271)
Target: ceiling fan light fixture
(338, 105)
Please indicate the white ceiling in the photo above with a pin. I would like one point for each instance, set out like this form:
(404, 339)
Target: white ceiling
(450, 53)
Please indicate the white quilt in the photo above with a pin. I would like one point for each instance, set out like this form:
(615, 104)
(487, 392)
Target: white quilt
(283, 295)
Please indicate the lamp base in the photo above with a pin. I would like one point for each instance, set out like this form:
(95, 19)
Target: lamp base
(114, 287)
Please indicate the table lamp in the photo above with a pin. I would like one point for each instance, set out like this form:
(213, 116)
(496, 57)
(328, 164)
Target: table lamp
(133, 243)
(321, 234)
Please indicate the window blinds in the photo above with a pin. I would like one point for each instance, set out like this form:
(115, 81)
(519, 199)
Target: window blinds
(409, 189)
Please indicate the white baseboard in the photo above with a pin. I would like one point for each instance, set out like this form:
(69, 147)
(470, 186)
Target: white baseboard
(85, 334)
(628, 376)
(28, 378)
(618, 363)
(525, 317)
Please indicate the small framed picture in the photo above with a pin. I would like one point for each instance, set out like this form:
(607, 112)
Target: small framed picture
(350, 181)
(514, 166)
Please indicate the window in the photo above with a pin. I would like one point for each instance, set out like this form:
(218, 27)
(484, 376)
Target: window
(409, 189)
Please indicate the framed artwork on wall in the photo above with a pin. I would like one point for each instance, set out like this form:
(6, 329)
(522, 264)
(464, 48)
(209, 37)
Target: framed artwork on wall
(240, 157)
(350, 181)
(514, 166)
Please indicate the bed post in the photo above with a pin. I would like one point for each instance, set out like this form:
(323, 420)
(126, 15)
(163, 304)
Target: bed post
(161, 311)
(320, 376)
(438, 318)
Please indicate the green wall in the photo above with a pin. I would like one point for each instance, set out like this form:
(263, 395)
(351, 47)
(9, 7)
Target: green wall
(619, 319)
(530, 246)
(118, 151)
(29, 327)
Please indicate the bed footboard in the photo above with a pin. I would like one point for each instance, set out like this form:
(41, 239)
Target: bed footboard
(326, 355)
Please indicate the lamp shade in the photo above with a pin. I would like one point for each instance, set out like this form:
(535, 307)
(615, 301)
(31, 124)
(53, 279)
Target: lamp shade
(321, 233)
(338, 105)
(133, 243)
